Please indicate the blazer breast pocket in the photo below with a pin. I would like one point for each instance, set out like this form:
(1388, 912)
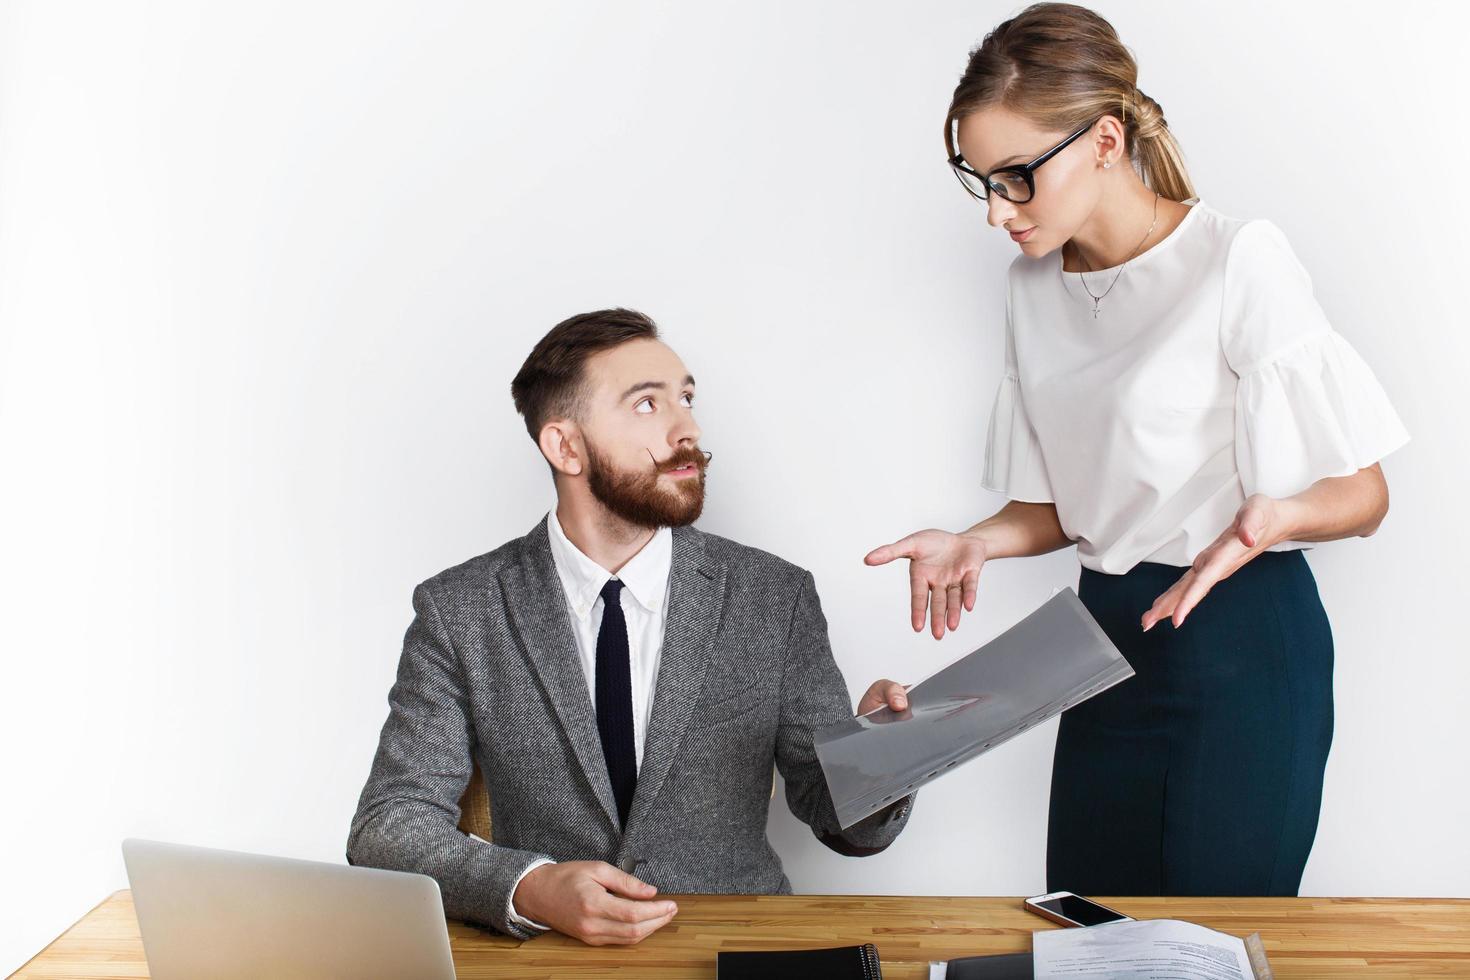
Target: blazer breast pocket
(729, 708)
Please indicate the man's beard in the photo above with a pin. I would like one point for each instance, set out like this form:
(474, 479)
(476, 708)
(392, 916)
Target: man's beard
(637, 497)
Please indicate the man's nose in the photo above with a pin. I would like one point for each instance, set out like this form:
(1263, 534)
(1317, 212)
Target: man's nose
(685, 433)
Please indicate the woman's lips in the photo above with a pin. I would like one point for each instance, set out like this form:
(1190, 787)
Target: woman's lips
(1022, 236)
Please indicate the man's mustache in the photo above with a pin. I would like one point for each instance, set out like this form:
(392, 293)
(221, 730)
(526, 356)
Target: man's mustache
(699, 457)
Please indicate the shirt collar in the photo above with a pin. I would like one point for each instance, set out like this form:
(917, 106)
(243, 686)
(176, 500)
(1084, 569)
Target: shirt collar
(645, 575)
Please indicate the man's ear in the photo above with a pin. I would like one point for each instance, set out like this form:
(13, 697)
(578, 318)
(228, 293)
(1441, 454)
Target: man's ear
(561, 444)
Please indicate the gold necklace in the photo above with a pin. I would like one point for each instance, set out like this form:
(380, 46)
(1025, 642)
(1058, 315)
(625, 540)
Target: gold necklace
(1097, 300)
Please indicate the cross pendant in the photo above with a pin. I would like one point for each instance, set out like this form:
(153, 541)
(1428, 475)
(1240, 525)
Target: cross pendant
(1094, 309)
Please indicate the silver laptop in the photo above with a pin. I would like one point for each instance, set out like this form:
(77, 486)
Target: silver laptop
(227, 914)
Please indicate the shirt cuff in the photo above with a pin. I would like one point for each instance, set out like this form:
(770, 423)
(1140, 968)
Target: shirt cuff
(510, 907)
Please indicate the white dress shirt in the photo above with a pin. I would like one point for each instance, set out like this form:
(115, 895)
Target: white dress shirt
(1210, 373)
(644, 599)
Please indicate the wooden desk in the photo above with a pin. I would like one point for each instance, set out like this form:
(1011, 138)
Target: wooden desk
(1305, 937)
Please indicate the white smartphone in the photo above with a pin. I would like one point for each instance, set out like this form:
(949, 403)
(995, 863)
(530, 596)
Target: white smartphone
(1067, 909)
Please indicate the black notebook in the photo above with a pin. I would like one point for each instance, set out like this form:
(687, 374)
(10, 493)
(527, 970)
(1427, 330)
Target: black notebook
(840, 963)
(1002, 966)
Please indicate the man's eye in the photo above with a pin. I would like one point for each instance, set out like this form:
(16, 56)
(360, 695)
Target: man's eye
(644, 407)
(688, 400)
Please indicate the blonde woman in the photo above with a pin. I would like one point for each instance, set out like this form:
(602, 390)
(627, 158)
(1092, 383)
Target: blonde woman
(1176, 404)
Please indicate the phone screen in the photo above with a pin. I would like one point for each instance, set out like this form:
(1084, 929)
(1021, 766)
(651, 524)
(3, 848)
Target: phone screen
(1080, 910)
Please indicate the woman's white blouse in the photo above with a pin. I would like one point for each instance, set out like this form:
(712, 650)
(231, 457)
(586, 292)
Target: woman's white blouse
(1210, 373)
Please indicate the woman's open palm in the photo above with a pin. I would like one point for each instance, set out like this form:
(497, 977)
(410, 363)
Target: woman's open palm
(944, 570)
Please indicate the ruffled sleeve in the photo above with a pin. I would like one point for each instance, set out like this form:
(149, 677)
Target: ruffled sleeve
(1307, 405)
(1013, 462)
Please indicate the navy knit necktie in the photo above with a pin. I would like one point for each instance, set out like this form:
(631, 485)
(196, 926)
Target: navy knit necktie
(615, 699)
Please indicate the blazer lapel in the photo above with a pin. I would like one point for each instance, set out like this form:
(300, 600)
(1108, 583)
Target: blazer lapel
(696, 596)
(538, 615)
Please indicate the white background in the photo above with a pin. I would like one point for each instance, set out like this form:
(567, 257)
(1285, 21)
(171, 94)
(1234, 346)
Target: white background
(266, 270)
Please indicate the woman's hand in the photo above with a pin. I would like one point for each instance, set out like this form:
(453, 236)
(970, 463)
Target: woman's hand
(944, 570)
(1258, 525)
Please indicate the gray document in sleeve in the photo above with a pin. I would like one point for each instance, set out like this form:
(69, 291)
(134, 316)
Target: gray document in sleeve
(1056, 657)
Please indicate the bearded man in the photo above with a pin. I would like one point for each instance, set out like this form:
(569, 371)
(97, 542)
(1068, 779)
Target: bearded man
(623, 681)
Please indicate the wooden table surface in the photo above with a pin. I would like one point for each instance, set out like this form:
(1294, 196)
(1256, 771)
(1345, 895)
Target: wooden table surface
(1304, 937)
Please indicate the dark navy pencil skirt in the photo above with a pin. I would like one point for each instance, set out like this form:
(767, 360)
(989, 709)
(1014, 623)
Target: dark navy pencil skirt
(1202, 774)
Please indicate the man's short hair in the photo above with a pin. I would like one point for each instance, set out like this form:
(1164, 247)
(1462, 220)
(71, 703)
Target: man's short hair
(550, 384)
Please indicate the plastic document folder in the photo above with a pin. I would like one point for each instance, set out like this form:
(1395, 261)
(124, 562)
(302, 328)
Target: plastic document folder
(1056, 657)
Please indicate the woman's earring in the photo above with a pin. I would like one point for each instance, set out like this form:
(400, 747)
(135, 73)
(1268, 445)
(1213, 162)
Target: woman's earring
(1107, 165)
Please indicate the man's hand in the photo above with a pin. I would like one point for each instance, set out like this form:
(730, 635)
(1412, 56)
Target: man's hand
(1257, 526)
(891, 693)
(585, 900)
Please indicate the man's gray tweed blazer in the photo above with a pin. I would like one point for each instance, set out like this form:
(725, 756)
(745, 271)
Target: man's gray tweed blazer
(490, 672)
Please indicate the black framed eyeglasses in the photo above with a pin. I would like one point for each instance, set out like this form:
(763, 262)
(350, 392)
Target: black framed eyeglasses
(1017, 183)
